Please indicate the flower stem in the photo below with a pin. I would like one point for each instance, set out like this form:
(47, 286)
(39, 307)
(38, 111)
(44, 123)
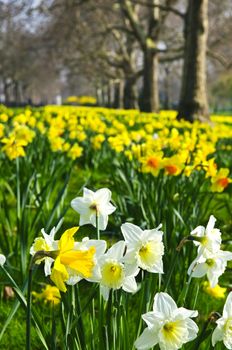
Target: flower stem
(28, 324)
(97, 226)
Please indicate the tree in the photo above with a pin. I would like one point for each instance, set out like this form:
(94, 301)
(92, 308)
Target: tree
(193, 103)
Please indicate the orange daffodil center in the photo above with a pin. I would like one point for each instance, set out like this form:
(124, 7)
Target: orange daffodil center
(81, 261)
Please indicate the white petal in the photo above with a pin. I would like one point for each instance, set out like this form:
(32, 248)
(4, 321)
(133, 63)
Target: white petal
(199, 270)
(96, 274)
(2, 259)
(152, 234)
(227, 311)
(92, 219)
(47, 266)
(81, 205)
(84, 219)
(199, 231)
(116, 251)
(99, 245)
(182, 313)
(103, 195)
(192, 328)
(102, 221)
(49, 238)
(228, 342)
(108, 209)
(131, 269)
(130, 285)
(131, 232)
(147, 339)
(130, 257)
(152, 318)
(73, 280)
(213, 277)
(217, 335)
(88, 193)
(164, 304)
(225, 255)
(156, 268)
(210, 224)
(105, 291)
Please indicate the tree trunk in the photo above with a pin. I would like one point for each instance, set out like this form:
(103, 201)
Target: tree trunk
(167, 88)
(118, 94)
(193, 103)
(150, 96)
(130, 94)
(6, 91)
(16, 92)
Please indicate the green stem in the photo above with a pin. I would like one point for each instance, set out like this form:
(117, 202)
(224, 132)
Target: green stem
(97, 226)
(18, 189)
(28, 324)
(80, 320)
(100, 320)
(173, 264)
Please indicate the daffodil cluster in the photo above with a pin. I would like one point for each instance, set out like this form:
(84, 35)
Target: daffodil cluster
(152, 143)
(211, 259)
(67, 261)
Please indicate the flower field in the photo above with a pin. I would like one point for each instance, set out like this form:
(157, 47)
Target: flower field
(115, 230)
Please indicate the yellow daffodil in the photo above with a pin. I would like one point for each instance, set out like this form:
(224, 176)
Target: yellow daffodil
(75, 151)
(80, 261)
(152, 163)
(50, 294)
(173, 165)
(216, 292)
(221, 180)
(14, 148)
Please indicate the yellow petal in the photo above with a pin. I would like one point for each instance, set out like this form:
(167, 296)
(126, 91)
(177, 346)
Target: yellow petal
(79, 260)
(66, 241)
(59, 275)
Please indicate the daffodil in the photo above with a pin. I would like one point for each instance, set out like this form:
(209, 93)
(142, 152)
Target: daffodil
(46, 244)
(93, 206)
(14, 147)
(217, 292)
(144, 248)
(221, 180)
(209, 238)
(173, 166)
(152, 163)
(167, 325)
(80, 261)
(223, 331)
(114, 273)
(84, 245)
(211, 264)
(49, 294)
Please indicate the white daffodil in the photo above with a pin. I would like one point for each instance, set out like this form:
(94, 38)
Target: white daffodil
(47, 244)
(92, 205)
(114, 273)
(223, 331)
(167, 325)
(211, 264)
(86, 244)
(144, 248)
(2, 259)
(209, 238)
